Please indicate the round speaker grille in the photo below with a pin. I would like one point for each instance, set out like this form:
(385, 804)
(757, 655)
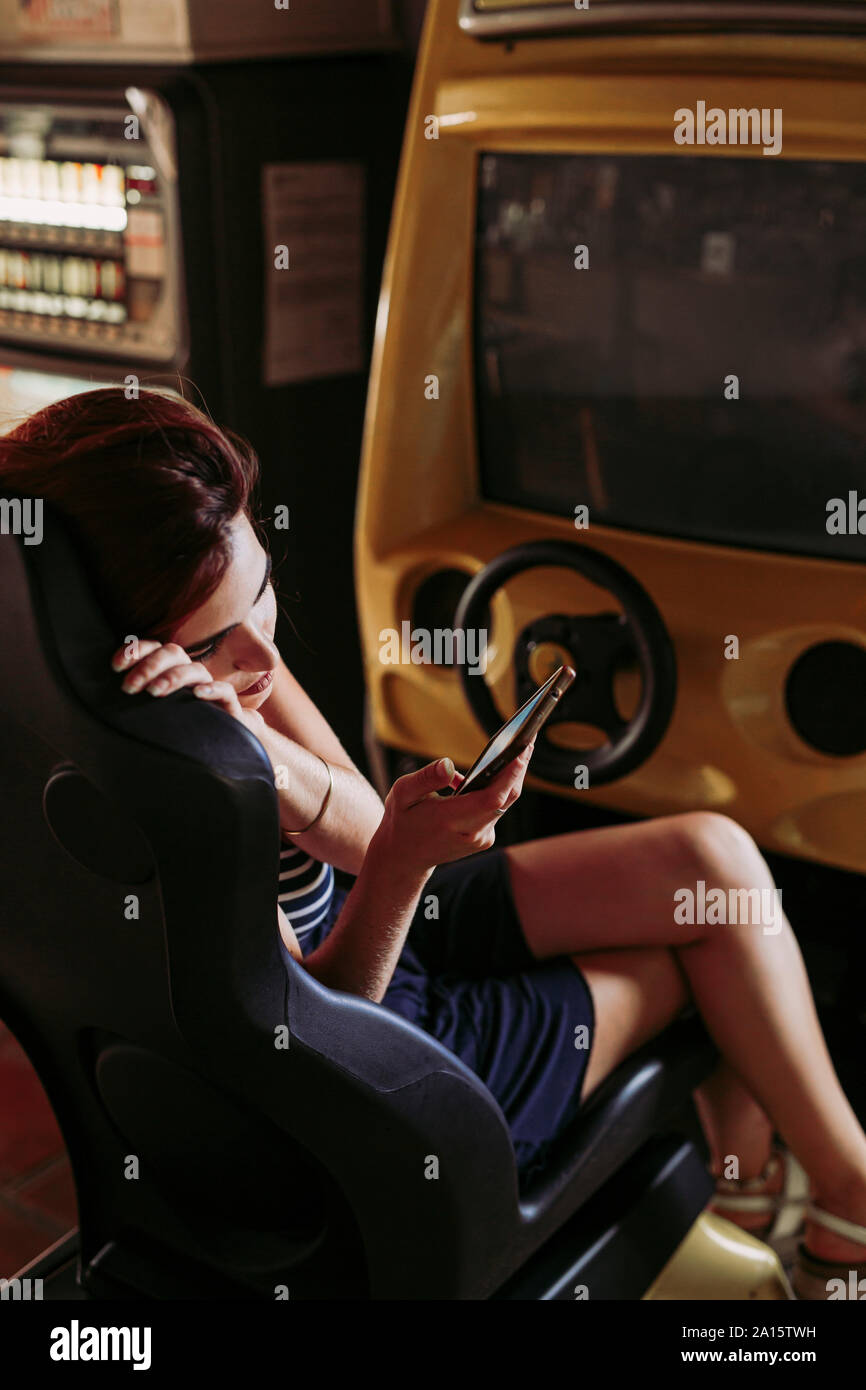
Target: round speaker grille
(825, 695)
(435, 603)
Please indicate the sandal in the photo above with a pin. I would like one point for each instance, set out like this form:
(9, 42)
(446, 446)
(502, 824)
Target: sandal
(815, 1279)
(786, 1209)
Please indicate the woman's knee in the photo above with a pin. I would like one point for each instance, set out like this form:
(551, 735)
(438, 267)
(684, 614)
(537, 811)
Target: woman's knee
(720, 851)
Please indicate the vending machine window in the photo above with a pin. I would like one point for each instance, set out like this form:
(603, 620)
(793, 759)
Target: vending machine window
(89, 249)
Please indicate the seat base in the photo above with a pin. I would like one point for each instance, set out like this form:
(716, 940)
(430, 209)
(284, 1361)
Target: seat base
(616, 1244)
(716, 1260)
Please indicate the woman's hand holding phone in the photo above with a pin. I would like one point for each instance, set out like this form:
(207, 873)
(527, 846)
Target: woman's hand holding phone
(421, 829)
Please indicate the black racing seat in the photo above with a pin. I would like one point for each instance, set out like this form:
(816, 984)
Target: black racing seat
(234, 1130)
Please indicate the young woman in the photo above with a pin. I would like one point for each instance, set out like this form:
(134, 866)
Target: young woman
(542, 965)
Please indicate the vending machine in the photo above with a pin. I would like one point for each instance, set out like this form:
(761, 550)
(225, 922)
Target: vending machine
(196, 197)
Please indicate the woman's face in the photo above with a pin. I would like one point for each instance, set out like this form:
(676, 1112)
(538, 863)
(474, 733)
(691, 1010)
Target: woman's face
(233, 633)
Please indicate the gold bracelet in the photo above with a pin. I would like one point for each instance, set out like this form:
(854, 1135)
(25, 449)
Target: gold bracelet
(323, 805)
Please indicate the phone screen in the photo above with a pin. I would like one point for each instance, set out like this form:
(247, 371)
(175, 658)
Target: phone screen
(521, 729)
(508, 731)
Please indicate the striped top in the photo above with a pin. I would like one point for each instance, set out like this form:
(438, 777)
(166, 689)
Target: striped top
(305, 891)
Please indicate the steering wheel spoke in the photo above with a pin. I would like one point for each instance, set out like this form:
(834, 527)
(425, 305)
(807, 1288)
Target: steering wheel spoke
(590, 700)
(601, 644)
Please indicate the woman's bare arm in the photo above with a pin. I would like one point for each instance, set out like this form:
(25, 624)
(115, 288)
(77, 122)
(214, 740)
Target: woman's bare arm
(360, 953)
(290, 711)
(294, 733)
(418, 831)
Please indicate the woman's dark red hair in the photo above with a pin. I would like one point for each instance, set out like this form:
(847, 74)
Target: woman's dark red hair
(150, 487)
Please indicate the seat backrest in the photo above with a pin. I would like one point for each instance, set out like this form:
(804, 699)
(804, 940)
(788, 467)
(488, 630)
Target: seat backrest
(218, 1108)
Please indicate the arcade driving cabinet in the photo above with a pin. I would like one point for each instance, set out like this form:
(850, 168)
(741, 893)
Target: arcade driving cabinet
(617, 412)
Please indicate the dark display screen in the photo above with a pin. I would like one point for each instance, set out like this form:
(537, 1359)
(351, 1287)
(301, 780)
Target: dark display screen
(612, 386)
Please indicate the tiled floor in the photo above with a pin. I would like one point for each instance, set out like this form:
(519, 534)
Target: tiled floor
(37, 1197)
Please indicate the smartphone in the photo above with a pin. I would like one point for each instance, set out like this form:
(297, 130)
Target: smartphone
(513, 737)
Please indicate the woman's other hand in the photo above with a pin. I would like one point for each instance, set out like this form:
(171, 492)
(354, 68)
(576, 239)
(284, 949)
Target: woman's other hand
(162, 668)
(421, 829)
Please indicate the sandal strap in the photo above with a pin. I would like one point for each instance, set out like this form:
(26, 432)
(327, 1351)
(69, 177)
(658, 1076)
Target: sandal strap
(796, 1185)
(796, 1190)
(839, 1224)
(786, 1208)
(721, 1202)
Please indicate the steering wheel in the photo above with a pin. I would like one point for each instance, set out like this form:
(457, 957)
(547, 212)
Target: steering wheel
(596, 646)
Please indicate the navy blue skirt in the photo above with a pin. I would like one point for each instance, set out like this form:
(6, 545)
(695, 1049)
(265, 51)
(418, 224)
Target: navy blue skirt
(467, 977)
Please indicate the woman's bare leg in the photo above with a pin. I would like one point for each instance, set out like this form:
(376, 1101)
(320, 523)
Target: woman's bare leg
(735, 1124)
(611, 888)
(637, 993)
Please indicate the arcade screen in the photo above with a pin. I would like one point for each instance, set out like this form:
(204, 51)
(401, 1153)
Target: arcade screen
(703, 374)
